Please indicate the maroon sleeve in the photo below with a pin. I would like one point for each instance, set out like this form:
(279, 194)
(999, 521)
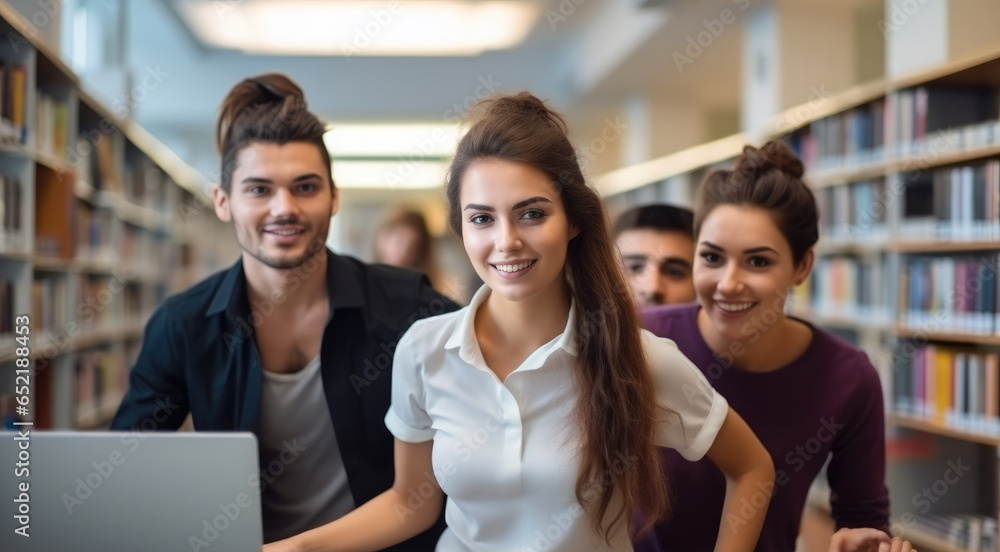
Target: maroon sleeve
(859, 497)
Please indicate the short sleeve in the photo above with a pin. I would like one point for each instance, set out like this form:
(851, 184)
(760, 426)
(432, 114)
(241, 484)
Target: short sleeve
(698, 411)
(407, 417)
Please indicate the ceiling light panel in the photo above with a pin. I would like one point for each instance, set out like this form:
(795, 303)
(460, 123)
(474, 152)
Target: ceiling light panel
(361, 28)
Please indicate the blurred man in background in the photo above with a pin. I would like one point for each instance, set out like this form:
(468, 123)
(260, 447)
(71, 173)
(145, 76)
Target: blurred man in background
(657, 246)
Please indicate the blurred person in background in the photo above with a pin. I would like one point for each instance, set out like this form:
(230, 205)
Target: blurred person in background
(402, 239)
(657, 246)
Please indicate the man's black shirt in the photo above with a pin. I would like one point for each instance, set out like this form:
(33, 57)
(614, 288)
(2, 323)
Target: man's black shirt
(199, 356)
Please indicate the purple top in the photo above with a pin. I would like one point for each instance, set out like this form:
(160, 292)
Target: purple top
(828, 401)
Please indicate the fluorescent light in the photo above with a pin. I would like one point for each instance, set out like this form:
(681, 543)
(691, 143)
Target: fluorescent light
(391, 155)
(416, 140)
(361, 28)
(389, 174)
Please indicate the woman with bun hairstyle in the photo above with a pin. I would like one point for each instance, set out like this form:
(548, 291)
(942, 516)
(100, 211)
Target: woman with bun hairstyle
(536, 409)
(806, 394)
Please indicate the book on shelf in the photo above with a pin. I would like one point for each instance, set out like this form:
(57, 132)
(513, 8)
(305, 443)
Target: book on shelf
(101, 381)
(141, 247)
(949, 386)
(132, 303)
(854, 137)
(972, 532)
(854, 213)
(145, 184)
(48, 304)
(13, 107)
(950, 293)
(7, 289)
(43, 379)
(107, 171)
(927, 118)
(930, 118)
(97, 305)
(848, 288)
(51, 125)
(98, 169)
(8, 412)
(94, 232)
(952, 203)
(55, 214)
(10, 208)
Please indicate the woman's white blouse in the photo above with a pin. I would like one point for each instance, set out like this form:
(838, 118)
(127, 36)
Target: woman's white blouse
(506, 453)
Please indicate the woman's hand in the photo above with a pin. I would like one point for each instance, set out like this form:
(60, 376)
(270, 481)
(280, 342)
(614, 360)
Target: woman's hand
(897, 545)
(286, 545)
(866, 540)
(858, 540)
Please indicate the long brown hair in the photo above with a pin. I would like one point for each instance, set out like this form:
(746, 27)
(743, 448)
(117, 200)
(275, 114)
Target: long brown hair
(268, 108)
(617, 409)
(770, 178)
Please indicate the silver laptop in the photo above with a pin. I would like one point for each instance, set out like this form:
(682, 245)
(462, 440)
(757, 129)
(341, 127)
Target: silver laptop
(129, 491)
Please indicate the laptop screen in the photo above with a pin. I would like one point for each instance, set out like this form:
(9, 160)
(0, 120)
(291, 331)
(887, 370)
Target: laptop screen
(129, 491)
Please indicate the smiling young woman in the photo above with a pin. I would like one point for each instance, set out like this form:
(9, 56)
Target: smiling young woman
(537, 408)
(806, 394)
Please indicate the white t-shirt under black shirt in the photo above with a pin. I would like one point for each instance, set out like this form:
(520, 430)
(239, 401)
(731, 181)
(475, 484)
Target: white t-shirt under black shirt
(506, 453)
(303, 479)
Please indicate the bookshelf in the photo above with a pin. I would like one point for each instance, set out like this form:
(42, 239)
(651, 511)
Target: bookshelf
(906, 173)
(96, 227)
(927, 541)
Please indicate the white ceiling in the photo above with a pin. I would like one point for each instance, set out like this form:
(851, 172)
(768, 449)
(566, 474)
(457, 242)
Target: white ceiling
(582, 55)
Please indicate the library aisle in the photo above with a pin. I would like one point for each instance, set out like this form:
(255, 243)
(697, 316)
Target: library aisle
(108, 161)
(907, 180)
(99, 222)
